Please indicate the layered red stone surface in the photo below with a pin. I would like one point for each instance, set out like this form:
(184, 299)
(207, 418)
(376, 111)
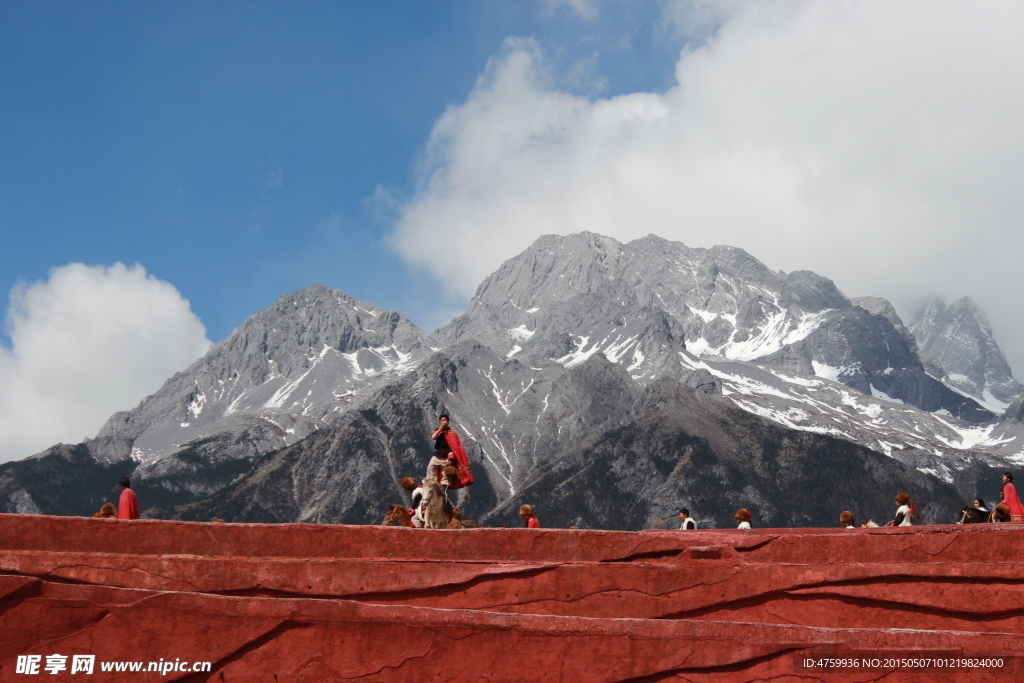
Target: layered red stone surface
(301, 602)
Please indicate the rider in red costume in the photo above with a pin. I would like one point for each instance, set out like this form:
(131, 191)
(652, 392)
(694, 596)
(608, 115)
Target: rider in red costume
(448, 450)
(1011, 499)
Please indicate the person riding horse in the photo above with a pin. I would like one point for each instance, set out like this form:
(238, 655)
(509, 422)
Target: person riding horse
(1011, 500)
(448, 452)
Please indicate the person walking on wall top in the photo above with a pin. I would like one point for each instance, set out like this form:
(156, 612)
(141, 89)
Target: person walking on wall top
(526, 512)
(128, 507)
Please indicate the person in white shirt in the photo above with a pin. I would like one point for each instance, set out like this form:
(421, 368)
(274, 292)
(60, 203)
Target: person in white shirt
(687, 522)
(979, 504)
(409, 484)
(846, 519)
(904, 511)
(743, 516)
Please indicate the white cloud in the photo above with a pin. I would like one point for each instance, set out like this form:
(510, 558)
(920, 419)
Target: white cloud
(87, 342)
(878, 144)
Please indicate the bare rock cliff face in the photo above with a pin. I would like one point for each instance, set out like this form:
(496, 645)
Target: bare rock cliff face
(960, 339)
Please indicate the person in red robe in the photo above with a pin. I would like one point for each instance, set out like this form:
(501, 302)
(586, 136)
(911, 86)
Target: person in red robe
(526, 512)
(1011, 499)
(448, 451)
(128, 507)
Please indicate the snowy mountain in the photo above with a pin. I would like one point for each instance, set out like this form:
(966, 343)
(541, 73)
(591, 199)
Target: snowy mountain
(587, 444)
(288, 371)
(642, 302)
(316, 406)
(959, 339)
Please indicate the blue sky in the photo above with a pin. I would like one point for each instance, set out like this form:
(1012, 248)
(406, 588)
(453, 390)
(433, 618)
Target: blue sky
(400, 151)
(234, 149)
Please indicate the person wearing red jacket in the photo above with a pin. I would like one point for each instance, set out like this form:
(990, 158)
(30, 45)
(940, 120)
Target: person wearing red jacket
(128, 507)
(1011, 499)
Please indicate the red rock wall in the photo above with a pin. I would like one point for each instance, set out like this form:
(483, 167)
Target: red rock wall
(321, 603)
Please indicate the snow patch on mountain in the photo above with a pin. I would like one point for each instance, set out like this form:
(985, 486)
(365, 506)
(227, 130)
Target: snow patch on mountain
(580, 354)
(520, 333)
(825, 406)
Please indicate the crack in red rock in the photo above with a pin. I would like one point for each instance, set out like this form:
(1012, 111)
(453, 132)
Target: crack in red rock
(649, 555)
(741, 665)
(952, 539)
(55, 579)
(67, 581)
(389, 666)
(446, 590)
(606, 591)
(127, 570)
(247, 647)
(91, 625)
(763, 599)
(449, 636)
(635, 550)
(753, 547)
(32, 589)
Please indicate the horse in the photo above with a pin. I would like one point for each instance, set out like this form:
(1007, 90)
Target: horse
(971, 515)
(433, 504)
(398, 515)
(457, 522)
(1001, 513)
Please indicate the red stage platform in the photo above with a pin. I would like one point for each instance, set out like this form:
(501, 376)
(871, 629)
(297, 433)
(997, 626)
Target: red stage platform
(299, 602)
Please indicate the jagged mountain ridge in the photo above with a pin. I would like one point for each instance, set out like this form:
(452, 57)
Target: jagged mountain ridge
(291, 366)
(641, 452)
(318, 362)
(585, 293)
(960, 340)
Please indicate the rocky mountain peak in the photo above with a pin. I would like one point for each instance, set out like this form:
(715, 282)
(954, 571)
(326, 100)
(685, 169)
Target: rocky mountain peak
(1015, 413)
(568, 297)
(960, 339)
(881, 307)
(811, 293)
(876, 305)
(306, 354)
